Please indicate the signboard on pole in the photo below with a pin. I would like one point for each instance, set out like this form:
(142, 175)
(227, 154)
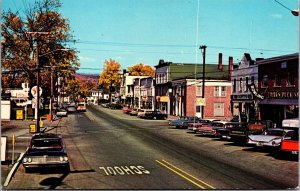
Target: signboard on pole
(34, 91)
(3, 148)
(19, 114)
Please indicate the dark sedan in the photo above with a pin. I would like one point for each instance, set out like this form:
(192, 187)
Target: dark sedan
(46, 150)
(155, 115)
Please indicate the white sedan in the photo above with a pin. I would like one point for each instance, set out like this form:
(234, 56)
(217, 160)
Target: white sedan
(269, 138)
(62, 113)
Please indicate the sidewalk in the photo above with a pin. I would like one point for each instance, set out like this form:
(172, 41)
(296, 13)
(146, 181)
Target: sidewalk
(20, 129)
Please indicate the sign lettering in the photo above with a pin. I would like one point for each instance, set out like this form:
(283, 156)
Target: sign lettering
(123, 170)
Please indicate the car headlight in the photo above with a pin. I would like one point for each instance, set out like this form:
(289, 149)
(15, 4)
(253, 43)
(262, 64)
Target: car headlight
(62, 159)
(27, 159)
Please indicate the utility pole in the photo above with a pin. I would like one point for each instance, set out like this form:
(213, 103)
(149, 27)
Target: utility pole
(203, 50)
(37, 34)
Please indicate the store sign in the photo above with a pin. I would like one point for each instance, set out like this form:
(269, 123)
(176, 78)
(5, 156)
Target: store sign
(283, 94)
(254, 92)
(164, 99)
(200, 102)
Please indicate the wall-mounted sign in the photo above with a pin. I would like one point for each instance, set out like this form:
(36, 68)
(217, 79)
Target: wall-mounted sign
(253, 90)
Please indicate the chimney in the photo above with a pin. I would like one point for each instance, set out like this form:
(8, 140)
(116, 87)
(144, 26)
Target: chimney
(230, 66)
(220, 62)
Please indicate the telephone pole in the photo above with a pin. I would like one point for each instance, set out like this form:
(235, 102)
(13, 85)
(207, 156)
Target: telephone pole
(37, 114)
(203, 50)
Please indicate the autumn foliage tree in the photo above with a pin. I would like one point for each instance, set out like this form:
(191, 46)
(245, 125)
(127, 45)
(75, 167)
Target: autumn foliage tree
(42, 26)
(110, 75)
(141, 70)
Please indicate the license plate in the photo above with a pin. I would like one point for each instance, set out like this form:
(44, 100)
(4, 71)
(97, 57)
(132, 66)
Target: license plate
(294, 152)
(259, 144)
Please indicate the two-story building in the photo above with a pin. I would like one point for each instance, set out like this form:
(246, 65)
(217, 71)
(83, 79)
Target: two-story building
(278, 92)
(243, 77)
(178, 90)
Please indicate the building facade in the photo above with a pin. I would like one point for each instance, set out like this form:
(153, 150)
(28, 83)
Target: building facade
(278, 92)
(244, 75)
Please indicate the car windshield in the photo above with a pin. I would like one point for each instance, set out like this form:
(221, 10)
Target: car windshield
(46, 143)
(274, 132)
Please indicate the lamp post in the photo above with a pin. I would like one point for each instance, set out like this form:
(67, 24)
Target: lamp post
(203, 50)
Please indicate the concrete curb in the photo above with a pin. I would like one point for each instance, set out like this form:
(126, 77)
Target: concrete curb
(12, 171)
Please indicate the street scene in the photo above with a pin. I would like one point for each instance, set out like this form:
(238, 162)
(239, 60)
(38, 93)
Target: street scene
(150, 94)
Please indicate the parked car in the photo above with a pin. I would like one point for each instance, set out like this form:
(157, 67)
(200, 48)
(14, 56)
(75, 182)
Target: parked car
(46, 150)
(223, 133)
(154, 115)
(290, 141)
(194, 125)
(126, 109)
(115, 105)
(134, 112)
(241, 133)
(61, 113)
(71, 109)
(180, 123)
(142, 112)
(271, 137)
(211, 128)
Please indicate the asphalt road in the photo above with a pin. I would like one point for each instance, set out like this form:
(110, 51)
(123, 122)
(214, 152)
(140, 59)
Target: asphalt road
(111, 150)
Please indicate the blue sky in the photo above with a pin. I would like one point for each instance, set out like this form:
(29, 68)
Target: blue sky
(145, 31)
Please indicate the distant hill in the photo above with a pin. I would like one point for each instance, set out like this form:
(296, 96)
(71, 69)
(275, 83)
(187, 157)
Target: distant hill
(87, 77)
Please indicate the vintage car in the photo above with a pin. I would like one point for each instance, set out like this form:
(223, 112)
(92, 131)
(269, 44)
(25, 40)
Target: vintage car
(180, 123)
(134, 112)
(126, 109)
(46, 150)
(199, 123)
(270, 137)
(290, 141)
(154, 115)
(223, 133)
(142, 112)
(211, 128)
(61, 113)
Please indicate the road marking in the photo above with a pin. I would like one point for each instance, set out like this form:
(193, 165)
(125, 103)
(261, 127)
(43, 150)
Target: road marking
(124, 170)
(184, 174)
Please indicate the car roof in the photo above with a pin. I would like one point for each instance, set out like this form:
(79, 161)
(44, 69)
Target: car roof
(45, 135)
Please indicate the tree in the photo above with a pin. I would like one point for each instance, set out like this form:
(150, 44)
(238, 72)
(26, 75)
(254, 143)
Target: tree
(141, 70)
(18, 53)
(110, 75)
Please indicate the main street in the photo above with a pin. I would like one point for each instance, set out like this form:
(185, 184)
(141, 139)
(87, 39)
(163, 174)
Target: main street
(110, 150)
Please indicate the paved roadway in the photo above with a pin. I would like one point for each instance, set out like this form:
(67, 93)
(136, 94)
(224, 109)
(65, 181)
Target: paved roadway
(111, 150)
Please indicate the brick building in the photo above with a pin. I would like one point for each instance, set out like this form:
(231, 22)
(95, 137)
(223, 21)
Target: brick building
(278, 92)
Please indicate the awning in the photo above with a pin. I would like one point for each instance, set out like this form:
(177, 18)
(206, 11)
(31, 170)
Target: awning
(279, 102)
